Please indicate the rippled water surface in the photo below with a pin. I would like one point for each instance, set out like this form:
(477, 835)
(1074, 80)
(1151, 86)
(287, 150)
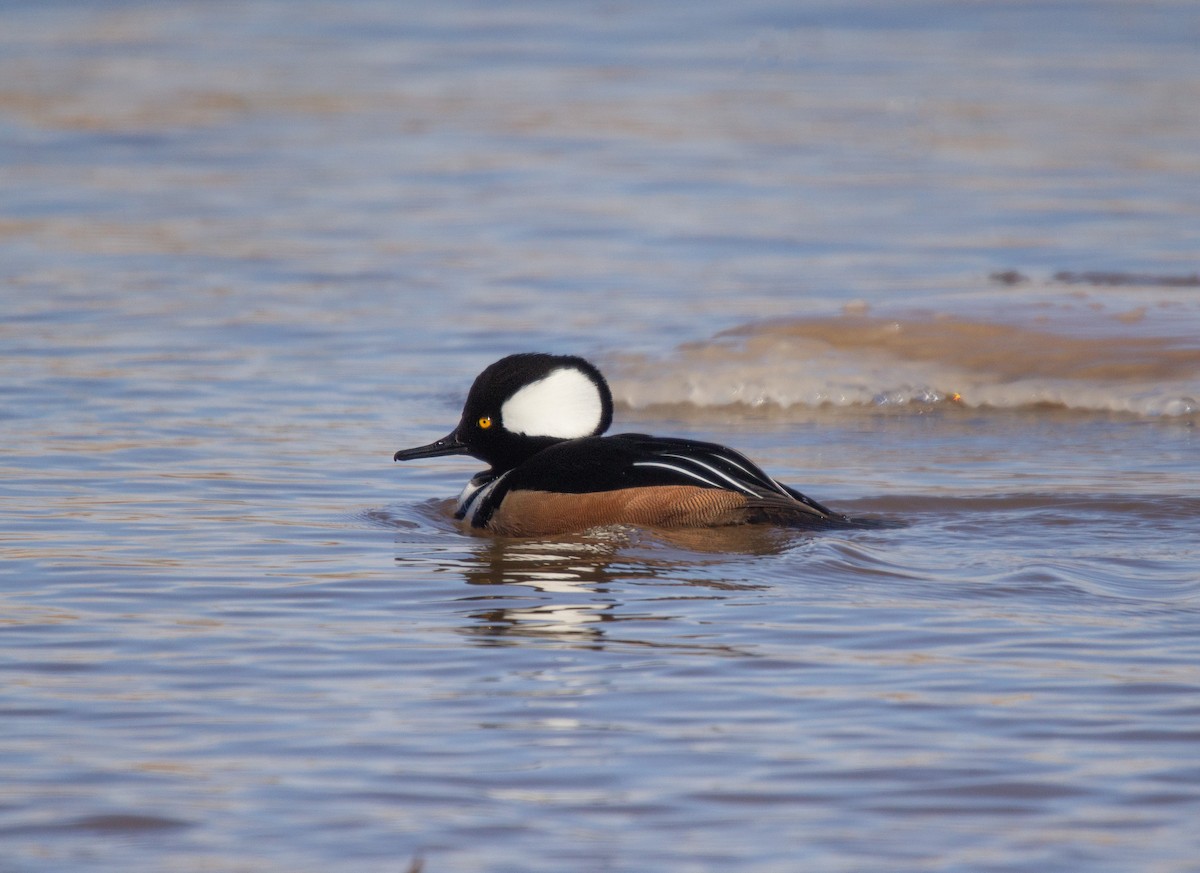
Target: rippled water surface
(935, 264)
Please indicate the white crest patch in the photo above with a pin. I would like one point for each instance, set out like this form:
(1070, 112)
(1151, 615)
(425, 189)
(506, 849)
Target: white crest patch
(566, 404)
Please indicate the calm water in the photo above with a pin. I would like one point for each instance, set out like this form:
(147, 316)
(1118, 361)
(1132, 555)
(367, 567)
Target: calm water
(935, 263)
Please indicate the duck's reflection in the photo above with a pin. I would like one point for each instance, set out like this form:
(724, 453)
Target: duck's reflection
(558, 589)
(586, 590)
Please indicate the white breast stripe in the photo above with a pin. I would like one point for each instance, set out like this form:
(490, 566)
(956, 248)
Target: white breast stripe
(472, 498)
(734, 482)
(691, 474)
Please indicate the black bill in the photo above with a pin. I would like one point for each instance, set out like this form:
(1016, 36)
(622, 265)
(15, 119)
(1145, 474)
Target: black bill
(447, 445)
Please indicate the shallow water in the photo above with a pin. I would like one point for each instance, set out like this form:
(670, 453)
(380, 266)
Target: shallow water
(933, 264)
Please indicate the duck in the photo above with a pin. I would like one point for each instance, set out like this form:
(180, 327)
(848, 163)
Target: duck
(538, 420)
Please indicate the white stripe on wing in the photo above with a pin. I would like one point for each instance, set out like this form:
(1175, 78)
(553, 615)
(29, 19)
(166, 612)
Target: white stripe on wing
(682, 471)
(740, 486)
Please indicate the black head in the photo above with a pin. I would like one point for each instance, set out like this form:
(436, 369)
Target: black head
(522, 404)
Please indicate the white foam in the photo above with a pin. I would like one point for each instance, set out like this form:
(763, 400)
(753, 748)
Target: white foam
(862, 362)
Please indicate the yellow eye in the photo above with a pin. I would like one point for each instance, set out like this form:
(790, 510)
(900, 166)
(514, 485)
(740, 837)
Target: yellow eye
(485, 422)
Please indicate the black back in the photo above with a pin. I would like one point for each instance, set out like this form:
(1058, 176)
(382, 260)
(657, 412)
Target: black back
(633, 460)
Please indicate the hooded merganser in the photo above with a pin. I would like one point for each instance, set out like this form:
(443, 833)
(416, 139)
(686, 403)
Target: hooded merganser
(537, 419)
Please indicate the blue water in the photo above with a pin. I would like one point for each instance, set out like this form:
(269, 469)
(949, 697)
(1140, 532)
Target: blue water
(248, 251)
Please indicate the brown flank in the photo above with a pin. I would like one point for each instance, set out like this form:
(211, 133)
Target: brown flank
(545, 513)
